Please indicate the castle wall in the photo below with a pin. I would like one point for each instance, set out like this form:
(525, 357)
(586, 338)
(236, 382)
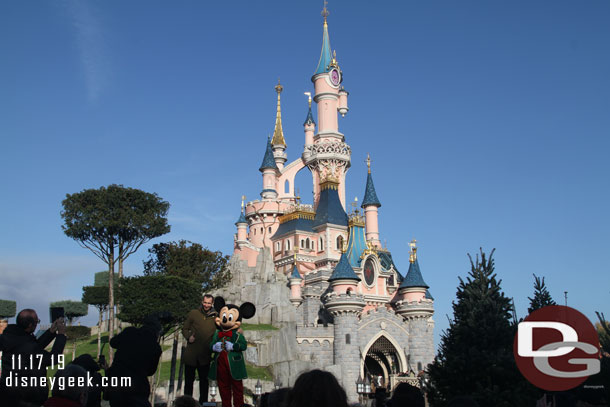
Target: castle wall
(421, 342)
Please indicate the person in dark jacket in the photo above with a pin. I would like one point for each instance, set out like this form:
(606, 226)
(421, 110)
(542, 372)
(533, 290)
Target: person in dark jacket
(137, 356)
(198, 329)
(18, 343)
(94, 394)
(65, 393)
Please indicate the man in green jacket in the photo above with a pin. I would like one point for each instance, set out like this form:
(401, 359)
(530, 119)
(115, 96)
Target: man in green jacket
(198, 330)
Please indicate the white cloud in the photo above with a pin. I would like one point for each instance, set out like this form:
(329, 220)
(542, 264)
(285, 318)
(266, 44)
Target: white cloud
(91, 45)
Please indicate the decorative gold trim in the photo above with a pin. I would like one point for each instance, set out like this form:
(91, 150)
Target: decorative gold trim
(297, 215)
(413, 251)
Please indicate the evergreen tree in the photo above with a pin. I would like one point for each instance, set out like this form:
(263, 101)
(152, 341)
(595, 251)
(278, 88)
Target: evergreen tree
(476, 352)
(542, 297)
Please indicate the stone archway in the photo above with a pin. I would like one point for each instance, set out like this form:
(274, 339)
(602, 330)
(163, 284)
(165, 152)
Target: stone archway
(382, 359)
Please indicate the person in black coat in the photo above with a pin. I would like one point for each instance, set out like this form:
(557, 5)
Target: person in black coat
(137, 356)
(94, 394)
(19, 340)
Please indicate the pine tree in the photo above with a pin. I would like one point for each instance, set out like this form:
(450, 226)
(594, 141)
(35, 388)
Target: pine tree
(542, 297)
(475, 356)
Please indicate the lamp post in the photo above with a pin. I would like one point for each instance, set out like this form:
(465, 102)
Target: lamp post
(360, 388)
(213, 390)
(258, 390)
(367, 387)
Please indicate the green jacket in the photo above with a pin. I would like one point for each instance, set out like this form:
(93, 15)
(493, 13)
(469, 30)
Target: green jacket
(203, 327)
(237, 364)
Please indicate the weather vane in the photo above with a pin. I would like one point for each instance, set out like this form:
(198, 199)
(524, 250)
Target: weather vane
(279, 88)
(325, 11)
(413, 253)
(243, 198)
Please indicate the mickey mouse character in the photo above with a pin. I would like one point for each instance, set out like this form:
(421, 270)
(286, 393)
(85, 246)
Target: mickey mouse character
(228, 367)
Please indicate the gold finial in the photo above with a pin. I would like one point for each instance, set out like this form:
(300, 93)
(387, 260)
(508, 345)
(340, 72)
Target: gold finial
(278, 133)
(325, 11)
(344, 247)
(279, 88)
(368, 161)
(413, 252)
(243, 198)
(308, 97)
(354, 205)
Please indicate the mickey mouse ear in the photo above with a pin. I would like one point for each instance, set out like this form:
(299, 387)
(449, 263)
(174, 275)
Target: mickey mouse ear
(247, 310)
(219, 302)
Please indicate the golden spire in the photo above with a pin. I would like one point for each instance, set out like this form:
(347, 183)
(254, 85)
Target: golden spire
(368, 161)
(325, 11)
(243, 198)
(278, 133)
(308, 98)
(413, 252)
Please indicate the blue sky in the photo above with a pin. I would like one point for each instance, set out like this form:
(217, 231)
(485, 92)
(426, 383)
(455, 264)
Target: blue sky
(487, 123)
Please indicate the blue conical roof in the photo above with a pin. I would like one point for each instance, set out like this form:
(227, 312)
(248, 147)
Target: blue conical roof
(329, 209)
(325, 56)
(309, 118)
(343, 270)
(295, 273)
(428, 296)
(242, 219)
(268, 159)
(370, 196)
(413, 277)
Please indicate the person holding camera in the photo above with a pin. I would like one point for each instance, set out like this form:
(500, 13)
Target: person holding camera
(137, 356)
(198, 330)
(24, 357)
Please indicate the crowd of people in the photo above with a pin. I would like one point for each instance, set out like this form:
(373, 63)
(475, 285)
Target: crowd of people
(25, 360)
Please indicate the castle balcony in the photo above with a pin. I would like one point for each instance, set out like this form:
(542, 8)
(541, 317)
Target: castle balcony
(349, 302)
(414, 309)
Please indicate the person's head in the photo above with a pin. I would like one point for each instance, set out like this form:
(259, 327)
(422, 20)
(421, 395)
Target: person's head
(407, 395)
(278, 397)
(207, 302)
(185, 401)
(76, 392)
(462, 401)
(316, 388)
(3, 324)
(27, 319)
(151, 323)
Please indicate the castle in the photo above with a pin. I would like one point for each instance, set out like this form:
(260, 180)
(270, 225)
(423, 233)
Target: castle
(319, 272)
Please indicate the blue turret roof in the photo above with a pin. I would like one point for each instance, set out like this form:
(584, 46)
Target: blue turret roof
(326, 56)
(309, 118)
(370, 196)
(242, 219)
(268, 160)
(343, 271)
(295, 273)
(428, 296)
(413, 277)
(329, 208)
(356, 245)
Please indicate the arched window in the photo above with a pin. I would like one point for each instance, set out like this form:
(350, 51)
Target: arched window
(287, 187)
(307, 243)
(261, 231)
(269, 229)
(339, 242)
(302, 243)
(321, 243)
(287, 244)
(254, 230)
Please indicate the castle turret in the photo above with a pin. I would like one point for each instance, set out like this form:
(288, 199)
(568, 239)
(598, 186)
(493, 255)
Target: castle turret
(345, 305)
(295, 281)
(371, 205)
(310, 124)
(416, 306)
(329, 155)
(269, 170)
(242, 226)
(277, 142)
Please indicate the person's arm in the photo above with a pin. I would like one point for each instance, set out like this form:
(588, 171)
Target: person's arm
(46, 338)
(240, 344)
(154, 361)
(186, 328)
(117, 341)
